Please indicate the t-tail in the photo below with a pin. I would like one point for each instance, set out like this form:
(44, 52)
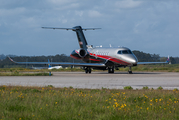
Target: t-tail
(79, 32)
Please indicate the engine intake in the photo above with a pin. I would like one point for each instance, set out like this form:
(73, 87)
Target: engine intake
(82, 53)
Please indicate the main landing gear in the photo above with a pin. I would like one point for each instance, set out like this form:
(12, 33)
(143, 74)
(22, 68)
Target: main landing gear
(130, 70)
(88, 70)
(111, 70)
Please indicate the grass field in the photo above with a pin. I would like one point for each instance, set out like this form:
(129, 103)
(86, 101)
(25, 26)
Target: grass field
(48, 103)
(23, 74)
(155, 68)
(148, 68)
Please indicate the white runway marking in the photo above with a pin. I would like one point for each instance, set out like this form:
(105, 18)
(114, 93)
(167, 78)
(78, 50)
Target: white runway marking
(168, 80)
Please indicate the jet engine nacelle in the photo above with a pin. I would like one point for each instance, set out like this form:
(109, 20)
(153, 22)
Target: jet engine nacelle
(83, 53)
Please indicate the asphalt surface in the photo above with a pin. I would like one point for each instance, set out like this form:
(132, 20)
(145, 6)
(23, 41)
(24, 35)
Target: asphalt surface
(118, 80)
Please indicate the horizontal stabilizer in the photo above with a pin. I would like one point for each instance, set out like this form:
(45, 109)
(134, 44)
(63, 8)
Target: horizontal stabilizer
(70, 28)
(79, 32)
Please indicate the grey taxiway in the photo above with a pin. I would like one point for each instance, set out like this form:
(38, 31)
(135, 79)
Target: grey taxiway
(118, 80)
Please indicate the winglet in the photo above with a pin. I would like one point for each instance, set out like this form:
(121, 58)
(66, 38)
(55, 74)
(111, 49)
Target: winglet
(11, 59)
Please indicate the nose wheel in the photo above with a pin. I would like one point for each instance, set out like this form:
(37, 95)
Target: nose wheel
(88, 70)
(130, 70)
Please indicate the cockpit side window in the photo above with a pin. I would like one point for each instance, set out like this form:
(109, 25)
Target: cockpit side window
(119, 52)
(130, 52)
(124, 52)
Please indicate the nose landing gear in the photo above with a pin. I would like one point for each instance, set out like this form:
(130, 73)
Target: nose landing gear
(130, 70)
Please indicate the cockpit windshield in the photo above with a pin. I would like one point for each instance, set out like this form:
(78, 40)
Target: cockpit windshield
(124, 52)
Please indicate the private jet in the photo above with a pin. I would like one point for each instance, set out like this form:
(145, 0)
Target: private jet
(97, 57)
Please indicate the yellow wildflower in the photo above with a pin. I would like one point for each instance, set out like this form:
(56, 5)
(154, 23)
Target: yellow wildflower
(114, 106)
(122, 106)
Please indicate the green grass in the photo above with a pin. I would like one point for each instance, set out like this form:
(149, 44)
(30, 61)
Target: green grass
(40, 70)
(24, 74)
(154, 68)
(49, 103)
(128, 88)
(149, 68)
(145, 88)
(45, 72)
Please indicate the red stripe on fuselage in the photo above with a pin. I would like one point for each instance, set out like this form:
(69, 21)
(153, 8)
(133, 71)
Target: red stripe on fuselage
(115, 60)
(74, 57)
(95, 60)
(111, 59)
(76, 51)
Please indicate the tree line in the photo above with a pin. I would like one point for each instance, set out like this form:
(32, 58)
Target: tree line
(141, 56)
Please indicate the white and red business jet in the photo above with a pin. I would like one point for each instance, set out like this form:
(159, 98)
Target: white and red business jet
(98, 57)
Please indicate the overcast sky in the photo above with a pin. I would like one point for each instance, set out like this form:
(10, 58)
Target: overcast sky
(151, 26)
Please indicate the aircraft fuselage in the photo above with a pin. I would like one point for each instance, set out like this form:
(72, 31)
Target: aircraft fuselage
(112, 57)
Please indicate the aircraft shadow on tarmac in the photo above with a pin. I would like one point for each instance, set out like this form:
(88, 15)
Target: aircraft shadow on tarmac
(127, 73)
(110, 73)
(106, 73)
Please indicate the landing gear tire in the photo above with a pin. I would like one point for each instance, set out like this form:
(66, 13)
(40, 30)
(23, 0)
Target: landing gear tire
(110, 70)
(88, 70)
(130, 70)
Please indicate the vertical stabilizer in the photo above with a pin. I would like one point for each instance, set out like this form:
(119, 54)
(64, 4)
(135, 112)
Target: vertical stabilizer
(81, 38)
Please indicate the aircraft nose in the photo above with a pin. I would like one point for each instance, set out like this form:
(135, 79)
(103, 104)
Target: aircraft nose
(134, 60)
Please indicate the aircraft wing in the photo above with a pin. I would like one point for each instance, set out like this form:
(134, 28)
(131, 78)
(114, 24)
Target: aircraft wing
(61, 63)
(145, 63)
